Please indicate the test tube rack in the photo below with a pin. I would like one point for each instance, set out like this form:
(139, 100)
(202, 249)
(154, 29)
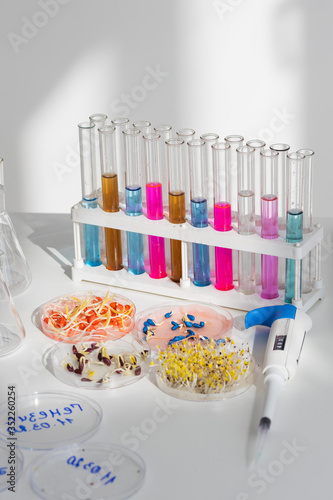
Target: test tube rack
(208, 236)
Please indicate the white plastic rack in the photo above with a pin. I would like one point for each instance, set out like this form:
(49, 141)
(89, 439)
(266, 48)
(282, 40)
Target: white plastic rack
(189, 234)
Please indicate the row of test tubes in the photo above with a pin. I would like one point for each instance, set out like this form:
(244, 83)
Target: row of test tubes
(248, 188)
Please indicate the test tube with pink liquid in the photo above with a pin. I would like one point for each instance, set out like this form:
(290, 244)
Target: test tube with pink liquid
(154, 196)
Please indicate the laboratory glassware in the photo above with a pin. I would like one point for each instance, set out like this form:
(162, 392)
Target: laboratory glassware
(154, 198)
(13, 263)
(222, 215)
(258, 146)
(164, 131)
(269, 221)
(199, 212)
(145, 128)
(186, 135)
(246, 217)
(210, 139)
(133, 197)
(89, 192)
(11, 329)
(294, 223)
(99, 119)
(234, 141)
(110, 196)
(120, 124)
(177, 211)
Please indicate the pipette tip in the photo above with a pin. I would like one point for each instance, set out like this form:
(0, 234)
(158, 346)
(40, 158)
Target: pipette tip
(264, 426)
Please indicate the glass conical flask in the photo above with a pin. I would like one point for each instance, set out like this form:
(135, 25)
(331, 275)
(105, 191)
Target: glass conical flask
(11, 329)
(13, 263)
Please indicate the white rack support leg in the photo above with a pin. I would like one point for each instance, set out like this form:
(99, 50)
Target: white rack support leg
(297, 300)
(317, 281)
(78, 260)
(185, 281)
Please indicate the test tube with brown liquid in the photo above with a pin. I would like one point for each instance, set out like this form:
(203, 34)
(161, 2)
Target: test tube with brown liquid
(110, 194)
(177, 212)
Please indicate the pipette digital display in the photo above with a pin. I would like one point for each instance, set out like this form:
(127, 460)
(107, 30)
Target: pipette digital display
(288, 327)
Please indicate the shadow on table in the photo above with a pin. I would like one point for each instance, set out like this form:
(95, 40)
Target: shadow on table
(54, 234)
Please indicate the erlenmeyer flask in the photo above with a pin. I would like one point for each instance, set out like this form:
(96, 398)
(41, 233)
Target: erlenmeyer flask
(11, 329)
(13, 263)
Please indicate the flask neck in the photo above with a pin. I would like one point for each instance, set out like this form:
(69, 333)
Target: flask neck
(2, 199)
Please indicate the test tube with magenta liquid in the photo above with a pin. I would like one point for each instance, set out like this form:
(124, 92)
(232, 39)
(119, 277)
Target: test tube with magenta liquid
(222, 215)
(177, 212)
(110, 196)
(199, 211)
(89, 193)
(269, 222)
(154, 202)
(133, 198)
(164, 131)
(294, 222)
(246, 217)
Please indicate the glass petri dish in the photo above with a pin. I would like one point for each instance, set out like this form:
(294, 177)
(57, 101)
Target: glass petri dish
(104, 365)
(11, 462)
(93, 314)
(205, 370)
(46, 420)
(92, 471)
(218, 323)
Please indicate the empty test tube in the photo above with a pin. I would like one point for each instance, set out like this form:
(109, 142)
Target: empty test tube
(99, 120)
(222, 215)
(246, 217)
(177, 212)
(89, 192)
(294, 222)
(133, 198)
(269, 222)
(154, 197)
(234, 141)
(209, 139)
(199, 212)
(110, 196)
(120, 124)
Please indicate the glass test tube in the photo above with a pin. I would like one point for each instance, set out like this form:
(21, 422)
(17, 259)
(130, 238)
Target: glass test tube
(89, 193)
(307, 268)
(133, 198)
(186, 135)
(152, 143)
(110, 196)
(222, 215)
(199, 212)
(269, 222)
(246, 219)
(145, 128)
(209, 138)
(258, 146)
(177, 212)
(164, 131)
(234, 141)
(99, 120)
(282, 149)
(294, 221)
(120, 124)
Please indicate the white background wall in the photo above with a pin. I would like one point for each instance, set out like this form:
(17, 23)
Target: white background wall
(253, 67)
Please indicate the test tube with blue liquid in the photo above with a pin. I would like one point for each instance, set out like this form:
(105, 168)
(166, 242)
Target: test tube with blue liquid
(294, 222)
(133, 198)
(89, 192)
(246, 217)
(199, 211)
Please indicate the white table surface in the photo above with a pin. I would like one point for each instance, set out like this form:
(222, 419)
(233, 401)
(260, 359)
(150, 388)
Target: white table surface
(197, 450)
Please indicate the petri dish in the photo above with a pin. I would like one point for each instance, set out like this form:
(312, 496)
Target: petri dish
(46, 420)
(11, 462)
(90, 314)
(218, 323)
(205, 370)
(104, 365)
(92, 471)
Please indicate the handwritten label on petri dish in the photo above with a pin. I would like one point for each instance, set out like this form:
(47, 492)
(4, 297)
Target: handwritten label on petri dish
(39, 420)
(92, 468)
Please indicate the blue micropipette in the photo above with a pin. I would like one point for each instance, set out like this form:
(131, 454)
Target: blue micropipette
(288, 328)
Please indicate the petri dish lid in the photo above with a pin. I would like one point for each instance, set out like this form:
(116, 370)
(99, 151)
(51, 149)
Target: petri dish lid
(10, 456)
(92, 471)
(218, 323)
(46, 420)
(127, 362)
(94, 314)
